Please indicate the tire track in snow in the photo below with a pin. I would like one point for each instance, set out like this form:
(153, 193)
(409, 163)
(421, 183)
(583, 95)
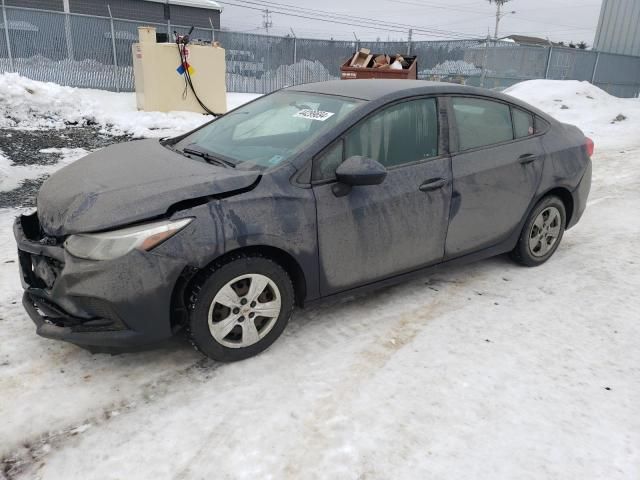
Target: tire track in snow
(374, 356)
(34, 451)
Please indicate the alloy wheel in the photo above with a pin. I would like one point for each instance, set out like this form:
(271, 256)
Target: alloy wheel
(545, 231)
(244, 310)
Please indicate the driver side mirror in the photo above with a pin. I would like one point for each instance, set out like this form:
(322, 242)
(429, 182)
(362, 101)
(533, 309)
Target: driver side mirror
(359, 170)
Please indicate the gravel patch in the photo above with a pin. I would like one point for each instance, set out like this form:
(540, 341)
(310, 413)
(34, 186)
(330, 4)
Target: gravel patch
(23, 147)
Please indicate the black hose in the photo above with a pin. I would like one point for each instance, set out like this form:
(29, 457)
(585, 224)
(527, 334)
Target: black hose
(188, 83)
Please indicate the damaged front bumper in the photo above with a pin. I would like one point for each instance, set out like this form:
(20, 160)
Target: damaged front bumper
(124, 302)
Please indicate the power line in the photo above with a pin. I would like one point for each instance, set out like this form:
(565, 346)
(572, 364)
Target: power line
(288, 6)
(364, 22)
(431, 5)
(454, 9)
(312, 18)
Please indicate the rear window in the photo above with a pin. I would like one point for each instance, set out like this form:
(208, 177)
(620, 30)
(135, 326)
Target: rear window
(481, 122)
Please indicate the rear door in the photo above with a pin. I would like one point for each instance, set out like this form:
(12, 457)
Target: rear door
(378, 231)
(497, 164)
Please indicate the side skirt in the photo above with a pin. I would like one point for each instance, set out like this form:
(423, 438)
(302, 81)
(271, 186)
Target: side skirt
(504, 247)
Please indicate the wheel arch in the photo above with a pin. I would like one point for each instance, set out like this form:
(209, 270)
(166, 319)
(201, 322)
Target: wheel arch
(563, 194)
(282, 258)
(191, 276)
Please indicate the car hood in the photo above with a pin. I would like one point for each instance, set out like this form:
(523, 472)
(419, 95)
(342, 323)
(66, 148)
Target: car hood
(127, 183)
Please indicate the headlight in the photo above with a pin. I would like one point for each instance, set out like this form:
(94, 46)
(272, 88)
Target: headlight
(110, 245)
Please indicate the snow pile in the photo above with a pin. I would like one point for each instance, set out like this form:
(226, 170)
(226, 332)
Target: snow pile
(29, 104)
(610, 121)
(453, 67)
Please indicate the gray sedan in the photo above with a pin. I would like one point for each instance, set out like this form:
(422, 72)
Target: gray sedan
(307, 193)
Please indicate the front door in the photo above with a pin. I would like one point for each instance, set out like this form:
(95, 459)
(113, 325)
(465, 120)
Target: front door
(496, 172)
(378, 231)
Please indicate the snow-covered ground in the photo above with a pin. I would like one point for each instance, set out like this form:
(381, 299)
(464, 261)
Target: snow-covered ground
(490, 371)
(30, 104)
(11, 176)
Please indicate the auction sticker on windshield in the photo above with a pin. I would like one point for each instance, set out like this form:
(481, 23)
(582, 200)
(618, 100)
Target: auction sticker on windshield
(313, 114)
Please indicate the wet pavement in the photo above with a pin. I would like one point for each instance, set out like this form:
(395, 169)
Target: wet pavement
(23, 147)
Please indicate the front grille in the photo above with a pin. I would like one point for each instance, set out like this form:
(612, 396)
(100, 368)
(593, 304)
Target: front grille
(40, 271)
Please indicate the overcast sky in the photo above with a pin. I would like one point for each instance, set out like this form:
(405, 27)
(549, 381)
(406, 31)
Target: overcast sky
(559, 20)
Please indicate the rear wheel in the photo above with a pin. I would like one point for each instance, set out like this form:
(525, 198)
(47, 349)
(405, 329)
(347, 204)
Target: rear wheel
(542, 232)
(241, 308)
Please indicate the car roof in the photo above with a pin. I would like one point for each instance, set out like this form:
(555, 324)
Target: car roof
(374, 89)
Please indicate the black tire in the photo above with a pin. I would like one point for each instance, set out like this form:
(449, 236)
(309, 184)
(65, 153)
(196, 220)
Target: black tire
(209, 286)
(523, 252)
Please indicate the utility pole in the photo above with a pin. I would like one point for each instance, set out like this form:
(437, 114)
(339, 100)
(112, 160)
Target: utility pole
(498, 6)
(266, 20)
(499, 14)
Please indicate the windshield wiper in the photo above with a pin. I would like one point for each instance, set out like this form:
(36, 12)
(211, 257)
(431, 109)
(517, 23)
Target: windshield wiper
(208, 157)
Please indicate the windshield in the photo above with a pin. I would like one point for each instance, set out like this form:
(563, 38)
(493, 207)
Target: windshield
(270, 130)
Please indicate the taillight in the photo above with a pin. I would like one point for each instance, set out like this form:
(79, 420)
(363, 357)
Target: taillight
(590, 146)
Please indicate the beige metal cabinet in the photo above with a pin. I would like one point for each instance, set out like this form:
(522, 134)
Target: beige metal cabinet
(160, 87)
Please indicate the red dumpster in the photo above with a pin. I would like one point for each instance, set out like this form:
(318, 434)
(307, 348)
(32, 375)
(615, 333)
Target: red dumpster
(363, 64)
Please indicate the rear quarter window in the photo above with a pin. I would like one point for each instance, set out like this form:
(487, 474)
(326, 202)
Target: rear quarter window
(522, 123)
(540, 125)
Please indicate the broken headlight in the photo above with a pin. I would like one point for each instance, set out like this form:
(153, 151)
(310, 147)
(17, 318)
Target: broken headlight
(114, 244)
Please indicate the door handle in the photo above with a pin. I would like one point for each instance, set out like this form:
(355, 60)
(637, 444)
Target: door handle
(434, 184)
(527, 158)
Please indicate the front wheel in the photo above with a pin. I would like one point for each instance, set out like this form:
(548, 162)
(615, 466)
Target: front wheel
(542, 232)
(241, 308)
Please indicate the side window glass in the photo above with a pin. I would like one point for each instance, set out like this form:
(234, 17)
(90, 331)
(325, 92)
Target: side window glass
(324, 166)
(522, 123)
(481, 122)
(403, 133)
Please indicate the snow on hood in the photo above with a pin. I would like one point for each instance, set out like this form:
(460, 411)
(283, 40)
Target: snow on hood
(588, 107)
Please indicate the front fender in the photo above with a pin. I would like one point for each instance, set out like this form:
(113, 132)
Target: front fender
(275, 214)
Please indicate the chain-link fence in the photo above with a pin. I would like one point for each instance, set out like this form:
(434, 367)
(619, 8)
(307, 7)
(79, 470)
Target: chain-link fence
(95, 52)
